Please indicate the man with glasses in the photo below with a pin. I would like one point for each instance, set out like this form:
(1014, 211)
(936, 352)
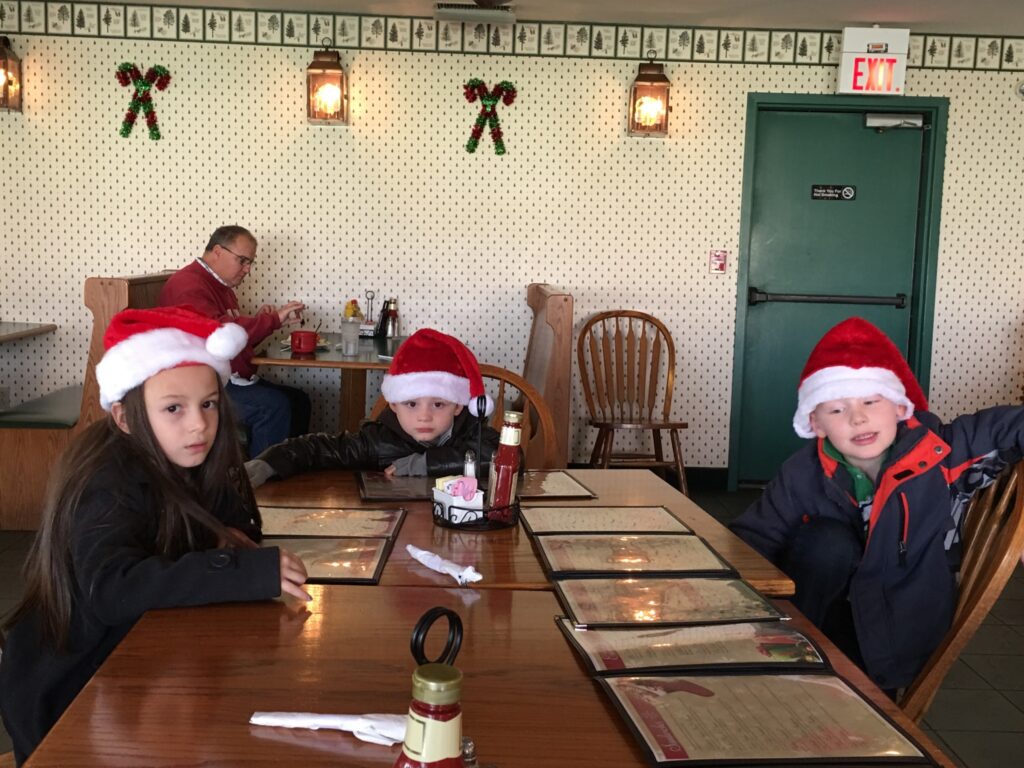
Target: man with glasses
(272, 412)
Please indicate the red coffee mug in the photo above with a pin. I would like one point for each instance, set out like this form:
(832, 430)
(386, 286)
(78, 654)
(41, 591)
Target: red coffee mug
(303, 341)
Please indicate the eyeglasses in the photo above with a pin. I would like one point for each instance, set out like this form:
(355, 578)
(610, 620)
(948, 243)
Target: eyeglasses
(244, 261)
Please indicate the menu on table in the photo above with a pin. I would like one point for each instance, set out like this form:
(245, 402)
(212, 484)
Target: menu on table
(335, 559)
(747, 719)
(552, 484)
(763, 645)
(570, 555)
(376, 486)
(627, 602)
(542, 520)
(305, 521)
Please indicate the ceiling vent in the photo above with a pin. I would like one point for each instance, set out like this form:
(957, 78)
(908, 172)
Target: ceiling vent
(484, 11)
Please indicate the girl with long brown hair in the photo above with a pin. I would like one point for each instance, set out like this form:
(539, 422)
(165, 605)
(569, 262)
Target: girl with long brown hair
(149, 508)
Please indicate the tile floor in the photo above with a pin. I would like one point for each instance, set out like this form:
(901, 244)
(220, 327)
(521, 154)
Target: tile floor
(978, 716)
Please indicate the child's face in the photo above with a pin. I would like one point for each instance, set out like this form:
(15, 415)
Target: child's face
(426, 418)
(182, 407)
(861, 428)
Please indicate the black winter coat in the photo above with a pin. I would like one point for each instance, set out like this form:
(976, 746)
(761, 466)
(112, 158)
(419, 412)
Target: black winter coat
(904, 590)
(377, 445)
(119, 577)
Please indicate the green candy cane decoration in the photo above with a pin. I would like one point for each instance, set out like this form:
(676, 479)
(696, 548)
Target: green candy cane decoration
(128, 74)
(477, 89)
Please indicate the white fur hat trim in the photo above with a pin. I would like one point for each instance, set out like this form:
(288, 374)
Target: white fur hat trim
(840, 382)
(130, 362)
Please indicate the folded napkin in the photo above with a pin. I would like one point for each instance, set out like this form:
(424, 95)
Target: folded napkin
(376, 729)
(463, 575)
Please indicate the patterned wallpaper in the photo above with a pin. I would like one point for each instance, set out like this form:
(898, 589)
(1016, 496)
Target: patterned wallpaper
(394, 203)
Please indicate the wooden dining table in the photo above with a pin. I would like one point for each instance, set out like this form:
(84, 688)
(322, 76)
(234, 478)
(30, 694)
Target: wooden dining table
(506, 557)
(181, 687)
(374, 354)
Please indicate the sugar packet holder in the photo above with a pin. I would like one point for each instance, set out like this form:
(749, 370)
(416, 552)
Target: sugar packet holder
(459, 503)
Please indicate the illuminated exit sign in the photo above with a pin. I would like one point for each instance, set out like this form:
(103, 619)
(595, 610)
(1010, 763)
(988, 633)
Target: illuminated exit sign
(874, 61)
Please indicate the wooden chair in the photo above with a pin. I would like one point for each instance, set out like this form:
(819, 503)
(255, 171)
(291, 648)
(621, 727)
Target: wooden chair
(29, 452)
(627, 367)
(548, 365)
(993, 541)
(540, 451)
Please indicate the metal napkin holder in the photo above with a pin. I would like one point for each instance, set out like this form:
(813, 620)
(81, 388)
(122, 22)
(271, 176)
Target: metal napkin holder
(449, 513)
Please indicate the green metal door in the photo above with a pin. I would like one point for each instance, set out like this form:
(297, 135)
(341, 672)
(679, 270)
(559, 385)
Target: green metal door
(832, 229)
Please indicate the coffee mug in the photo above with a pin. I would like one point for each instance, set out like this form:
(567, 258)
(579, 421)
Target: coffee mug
(303, 341)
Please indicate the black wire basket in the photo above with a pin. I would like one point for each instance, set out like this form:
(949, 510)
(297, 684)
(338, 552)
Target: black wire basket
(467, 519)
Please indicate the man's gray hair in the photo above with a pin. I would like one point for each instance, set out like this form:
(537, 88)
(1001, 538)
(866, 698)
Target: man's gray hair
(226, 235)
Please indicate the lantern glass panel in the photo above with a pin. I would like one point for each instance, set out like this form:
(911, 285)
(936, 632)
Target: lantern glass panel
(648, 109)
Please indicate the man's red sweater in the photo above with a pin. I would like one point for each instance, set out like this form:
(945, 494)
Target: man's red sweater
(194, 286)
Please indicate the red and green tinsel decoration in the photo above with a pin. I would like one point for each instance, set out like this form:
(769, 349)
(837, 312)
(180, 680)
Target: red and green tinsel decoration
(504, 92)
(142, 99)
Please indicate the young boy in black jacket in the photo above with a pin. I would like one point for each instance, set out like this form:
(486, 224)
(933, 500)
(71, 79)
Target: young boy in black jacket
(866, 519)
(435, 394)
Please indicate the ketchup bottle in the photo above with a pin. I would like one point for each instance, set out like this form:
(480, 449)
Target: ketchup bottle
(504, 473)
(433, 731)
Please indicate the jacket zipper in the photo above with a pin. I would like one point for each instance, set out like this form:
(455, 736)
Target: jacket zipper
(901, 544)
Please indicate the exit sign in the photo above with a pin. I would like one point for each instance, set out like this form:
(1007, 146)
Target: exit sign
(874, 61)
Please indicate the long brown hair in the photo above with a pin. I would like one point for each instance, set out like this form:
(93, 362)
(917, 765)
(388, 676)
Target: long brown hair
(182, 500)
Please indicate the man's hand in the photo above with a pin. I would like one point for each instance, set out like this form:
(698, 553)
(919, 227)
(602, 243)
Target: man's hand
(290, 313)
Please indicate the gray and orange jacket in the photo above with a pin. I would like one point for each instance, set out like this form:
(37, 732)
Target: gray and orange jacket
(904, 591)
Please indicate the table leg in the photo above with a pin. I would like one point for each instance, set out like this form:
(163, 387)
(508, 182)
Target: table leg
(352, 399)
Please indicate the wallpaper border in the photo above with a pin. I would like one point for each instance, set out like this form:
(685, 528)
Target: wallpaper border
(711, 45)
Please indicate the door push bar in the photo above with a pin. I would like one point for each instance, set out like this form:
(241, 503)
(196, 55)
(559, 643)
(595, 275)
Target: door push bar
(755, 296)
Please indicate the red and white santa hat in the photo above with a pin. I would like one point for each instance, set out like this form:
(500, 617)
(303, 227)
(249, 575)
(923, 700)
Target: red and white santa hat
(433, 364)
(140, 343)
(855, 359)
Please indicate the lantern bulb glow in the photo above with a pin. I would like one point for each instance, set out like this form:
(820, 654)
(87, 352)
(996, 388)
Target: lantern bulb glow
(328, 99)
(649, 111)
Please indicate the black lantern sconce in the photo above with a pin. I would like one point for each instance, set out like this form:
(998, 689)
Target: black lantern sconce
(326, 89)
(10, 77)
(648, 100)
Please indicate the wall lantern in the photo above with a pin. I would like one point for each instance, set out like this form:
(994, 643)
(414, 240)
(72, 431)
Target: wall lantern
(326, 89)
(648, 100)
(10, 77)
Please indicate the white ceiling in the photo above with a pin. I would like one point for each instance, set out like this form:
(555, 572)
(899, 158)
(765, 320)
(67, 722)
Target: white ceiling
(996, 17)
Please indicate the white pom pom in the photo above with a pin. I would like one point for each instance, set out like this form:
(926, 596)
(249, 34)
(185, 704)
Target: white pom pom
(227, 341)
(488, 406)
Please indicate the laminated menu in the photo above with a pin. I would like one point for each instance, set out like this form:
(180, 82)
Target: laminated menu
(570, 555)
(376, 486)
(335, 559)
(542, 520)
(762, 645)
(747, 719)
(305, 521)
(618, 602)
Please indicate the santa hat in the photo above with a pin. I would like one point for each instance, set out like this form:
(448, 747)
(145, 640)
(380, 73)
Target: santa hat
(140, 343)
(855, 359)
(432, 364)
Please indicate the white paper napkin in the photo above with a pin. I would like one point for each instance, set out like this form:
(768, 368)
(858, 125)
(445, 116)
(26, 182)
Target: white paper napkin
(376, 729)
(434, 562)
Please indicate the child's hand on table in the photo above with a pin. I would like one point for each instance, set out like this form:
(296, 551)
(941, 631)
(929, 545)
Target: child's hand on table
(293, 576)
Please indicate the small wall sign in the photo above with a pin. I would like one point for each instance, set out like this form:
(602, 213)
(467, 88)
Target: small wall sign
(717, 260)
(833, 192)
